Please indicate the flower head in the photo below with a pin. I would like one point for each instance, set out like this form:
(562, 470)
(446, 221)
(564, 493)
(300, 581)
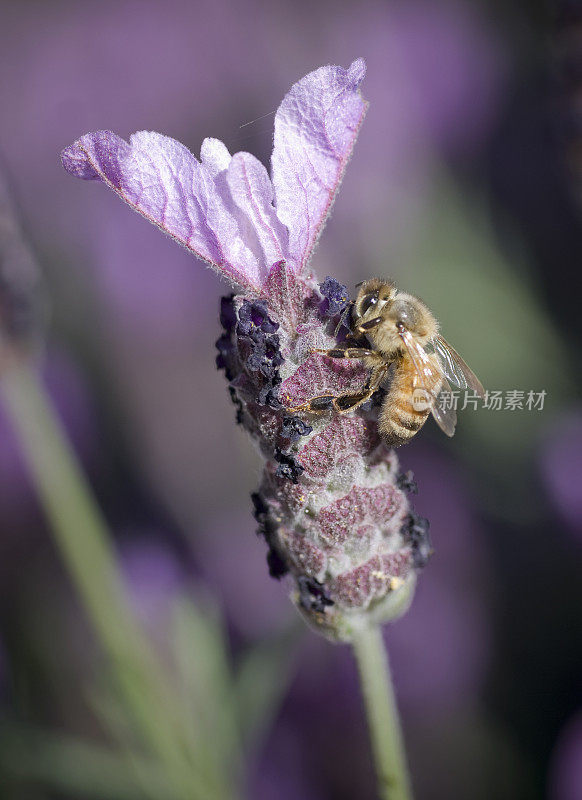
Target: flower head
(332, 506)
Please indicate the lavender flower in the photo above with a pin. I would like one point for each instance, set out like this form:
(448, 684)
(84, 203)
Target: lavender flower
(331, 505)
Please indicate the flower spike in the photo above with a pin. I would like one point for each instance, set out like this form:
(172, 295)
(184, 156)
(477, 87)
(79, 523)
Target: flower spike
(332, 506)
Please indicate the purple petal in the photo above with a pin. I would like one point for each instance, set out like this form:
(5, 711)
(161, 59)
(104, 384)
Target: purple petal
(316, 127)
(221, 208)
(214, 156)
(162, 180)
(252, 191)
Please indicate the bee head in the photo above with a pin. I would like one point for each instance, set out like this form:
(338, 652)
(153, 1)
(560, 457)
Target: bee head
(373, 296)
(383, 322)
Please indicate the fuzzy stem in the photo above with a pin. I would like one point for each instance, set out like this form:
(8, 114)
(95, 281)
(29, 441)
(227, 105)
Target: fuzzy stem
(382, 715)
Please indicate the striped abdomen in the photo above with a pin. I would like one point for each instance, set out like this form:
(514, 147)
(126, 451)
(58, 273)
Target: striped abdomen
(401, 417)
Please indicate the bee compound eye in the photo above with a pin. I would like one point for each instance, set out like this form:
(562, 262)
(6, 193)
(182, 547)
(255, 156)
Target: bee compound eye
(368, 300)
(405, 316)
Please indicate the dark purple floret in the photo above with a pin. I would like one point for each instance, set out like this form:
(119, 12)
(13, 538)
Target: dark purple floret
(260, 508)
(276, 563)
(415, 532)
(265, 357)
(249, 343)
(269, 395)
(258, 360)
(262, 360)
(237, 404)
(227, 313)
(260, 345)
(406, 482)
(268, 530)
(255, 316)
(288, 467)
(312, 594)
(226, 358)
(293, 428)
(336, 297)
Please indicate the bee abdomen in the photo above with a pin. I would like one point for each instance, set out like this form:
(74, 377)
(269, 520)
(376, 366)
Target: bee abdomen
(399, 420)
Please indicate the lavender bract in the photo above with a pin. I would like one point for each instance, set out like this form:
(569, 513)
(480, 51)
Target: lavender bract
(332, 505)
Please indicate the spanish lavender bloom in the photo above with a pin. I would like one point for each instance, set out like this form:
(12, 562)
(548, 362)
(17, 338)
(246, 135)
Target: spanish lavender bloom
(331, 505)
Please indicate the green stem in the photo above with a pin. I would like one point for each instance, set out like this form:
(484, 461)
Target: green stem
(76, 522)
(85, 545)
(382, 715)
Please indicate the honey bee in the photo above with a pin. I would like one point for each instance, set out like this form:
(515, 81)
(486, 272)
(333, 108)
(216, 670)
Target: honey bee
(396, 336)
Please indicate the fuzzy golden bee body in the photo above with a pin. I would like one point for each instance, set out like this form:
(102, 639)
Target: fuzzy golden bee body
(396, 336)
(406, 408)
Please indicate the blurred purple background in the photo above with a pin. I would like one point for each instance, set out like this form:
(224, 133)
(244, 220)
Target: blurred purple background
(467, 104)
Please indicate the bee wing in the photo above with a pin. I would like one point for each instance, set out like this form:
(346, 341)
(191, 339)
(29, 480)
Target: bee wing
(454, 368)
(444, 414)
(428, 375)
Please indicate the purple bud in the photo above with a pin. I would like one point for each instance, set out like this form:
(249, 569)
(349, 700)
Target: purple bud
(227, 313)
(336, 297)
(415, 533)
(293, 428)
(406, 482)
(288, 467)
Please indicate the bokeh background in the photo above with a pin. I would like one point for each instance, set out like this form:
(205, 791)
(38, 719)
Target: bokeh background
(465, 187)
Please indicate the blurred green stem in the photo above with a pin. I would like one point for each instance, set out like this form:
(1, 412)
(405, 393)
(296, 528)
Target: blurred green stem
(382, 715)
(77, 525)
(84, 543)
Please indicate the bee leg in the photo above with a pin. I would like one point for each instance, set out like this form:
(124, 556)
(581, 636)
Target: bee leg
(344, 403)
(323, 402)
(341, 403)
(349, 402)
(346, 352)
